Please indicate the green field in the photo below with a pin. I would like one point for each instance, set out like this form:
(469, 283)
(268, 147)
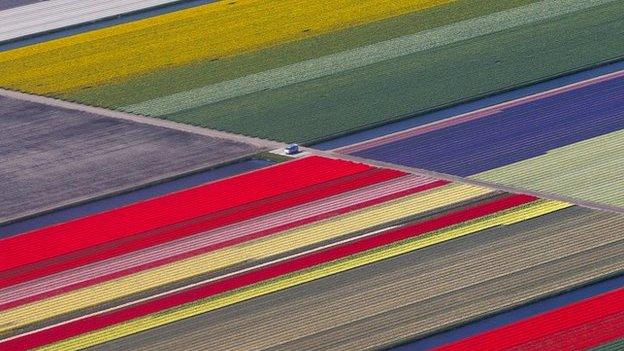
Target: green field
(420, 82)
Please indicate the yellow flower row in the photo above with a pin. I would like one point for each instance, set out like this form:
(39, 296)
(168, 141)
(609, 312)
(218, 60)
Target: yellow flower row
(211, 31)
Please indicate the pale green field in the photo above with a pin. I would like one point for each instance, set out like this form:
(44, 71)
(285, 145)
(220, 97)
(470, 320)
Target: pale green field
(589, 170)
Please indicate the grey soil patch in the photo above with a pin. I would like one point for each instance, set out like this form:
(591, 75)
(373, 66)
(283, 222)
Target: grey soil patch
(51, 156)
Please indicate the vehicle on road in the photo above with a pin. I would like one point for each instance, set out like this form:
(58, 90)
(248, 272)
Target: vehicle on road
(291, 149)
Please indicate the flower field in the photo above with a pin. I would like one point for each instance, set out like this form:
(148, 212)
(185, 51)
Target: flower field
(581, 325)
(25, 21)
(456, 183)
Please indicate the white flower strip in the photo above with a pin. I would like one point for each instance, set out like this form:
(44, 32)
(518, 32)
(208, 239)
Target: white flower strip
(42, 17)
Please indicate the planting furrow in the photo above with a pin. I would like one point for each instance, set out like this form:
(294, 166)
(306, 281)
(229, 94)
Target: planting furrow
(359, 57)
(421, 292)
